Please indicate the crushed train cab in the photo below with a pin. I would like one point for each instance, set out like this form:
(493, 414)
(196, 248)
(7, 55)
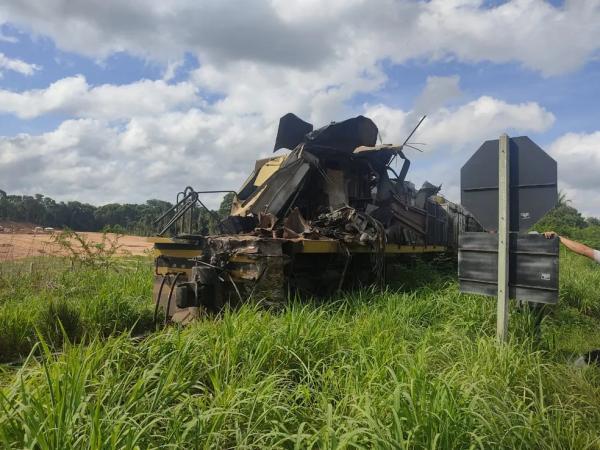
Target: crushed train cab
(325, 216)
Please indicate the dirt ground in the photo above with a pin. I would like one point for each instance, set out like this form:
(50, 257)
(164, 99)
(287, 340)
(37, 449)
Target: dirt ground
(17, 245)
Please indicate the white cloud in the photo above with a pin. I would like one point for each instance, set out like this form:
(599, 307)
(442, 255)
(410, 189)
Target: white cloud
(74, 96)
(540, 36)
(309, 35)
(262, 59)
(16, 65)
(578, 158)
(485, 117)
(453, 134)
(271, 91)
(437, 92)
(219, 31)
(171, 69)
(214, 146)
(96, 161)
(455, 128)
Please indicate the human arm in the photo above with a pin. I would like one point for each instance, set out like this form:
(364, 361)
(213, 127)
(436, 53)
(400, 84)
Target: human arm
(574, 246)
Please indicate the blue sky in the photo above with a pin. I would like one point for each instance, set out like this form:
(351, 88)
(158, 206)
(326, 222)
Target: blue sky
(125, 102)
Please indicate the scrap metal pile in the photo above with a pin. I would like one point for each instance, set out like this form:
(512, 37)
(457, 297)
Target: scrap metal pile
(303, 220)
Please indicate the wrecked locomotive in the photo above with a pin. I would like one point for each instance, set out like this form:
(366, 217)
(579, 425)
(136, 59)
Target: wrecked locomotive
(324, 217)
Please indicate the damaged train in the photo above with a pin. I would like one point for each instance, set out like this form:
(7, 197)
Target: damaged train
(328, 215)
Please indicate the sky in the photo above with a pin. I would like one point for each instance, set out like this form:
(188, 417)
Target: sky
(110, 101)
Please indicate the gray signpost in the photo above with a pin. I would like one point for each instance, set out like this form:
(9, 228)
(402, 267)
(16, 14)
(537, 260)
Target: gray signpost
(503, 236)
(508, 185)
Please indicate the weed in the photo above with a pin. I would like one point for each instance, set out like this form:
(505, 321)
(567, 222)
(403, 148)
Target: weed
(85, 252)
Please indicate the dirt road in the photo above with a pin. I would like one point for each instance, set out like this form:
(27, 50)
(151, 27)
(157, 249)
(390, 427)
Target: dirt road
(22, 245)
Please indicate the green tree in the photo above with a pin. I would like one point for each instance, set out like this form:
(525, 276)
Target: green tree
(82, 217)
(561, 217)
(593, 221)
(126, 218)
(225, 207)
(3, 205)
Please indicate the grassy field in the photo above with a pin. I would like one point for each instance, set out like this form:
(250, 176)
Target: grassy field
(416, 367)
(51, 300)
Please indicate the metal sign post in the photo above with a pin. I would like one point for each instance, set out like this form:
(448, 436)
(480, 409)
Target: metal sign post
(508, 185)
(503, 236)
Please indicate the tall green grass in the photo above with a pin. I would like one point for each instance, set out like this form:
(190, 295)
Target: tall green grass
(580, 283)
(415, 368)
(54, 300)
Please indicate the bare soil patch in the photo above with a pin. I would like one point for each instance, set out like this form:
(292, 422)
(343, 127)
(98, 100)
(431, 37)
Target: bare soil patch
(26, 244)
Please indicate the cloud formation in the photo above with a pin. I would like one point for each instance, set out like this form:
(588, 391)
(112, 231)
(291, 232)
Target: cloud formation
(261, 59)
(307, 34)
(74, 96)
(156, 155)
(579, 169)
(452, 134)
(16, 65)
(92, 160)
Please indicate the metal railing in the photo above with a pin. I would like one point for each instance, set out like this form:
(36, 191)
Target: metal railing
(181, 215)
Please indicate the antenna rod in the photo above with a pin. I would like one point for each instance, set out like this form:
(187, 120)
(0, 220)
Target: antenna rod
(414, 129)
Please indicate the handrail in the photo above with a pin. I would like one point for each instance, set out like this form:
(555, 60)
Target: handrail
(186, 200)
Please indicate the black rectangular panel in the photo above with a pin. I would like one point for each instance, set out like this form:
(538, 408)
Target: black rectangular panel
(533, 264)
(533, 178)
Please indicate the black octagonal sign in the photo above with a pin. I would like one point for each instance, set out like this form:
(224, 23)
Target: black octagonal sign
(532, 184)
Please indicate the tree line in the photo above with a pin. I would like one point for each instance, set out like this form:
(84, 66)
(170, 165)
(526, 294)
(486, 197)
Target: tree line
(129, 218)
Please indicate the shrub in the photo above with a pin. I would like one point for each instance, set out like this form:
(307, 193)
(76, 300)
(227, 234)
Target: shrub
(83, 251)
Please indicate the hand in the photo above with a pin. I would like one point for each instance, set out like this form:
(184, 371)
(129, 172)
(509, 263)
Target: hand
(550, 234)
